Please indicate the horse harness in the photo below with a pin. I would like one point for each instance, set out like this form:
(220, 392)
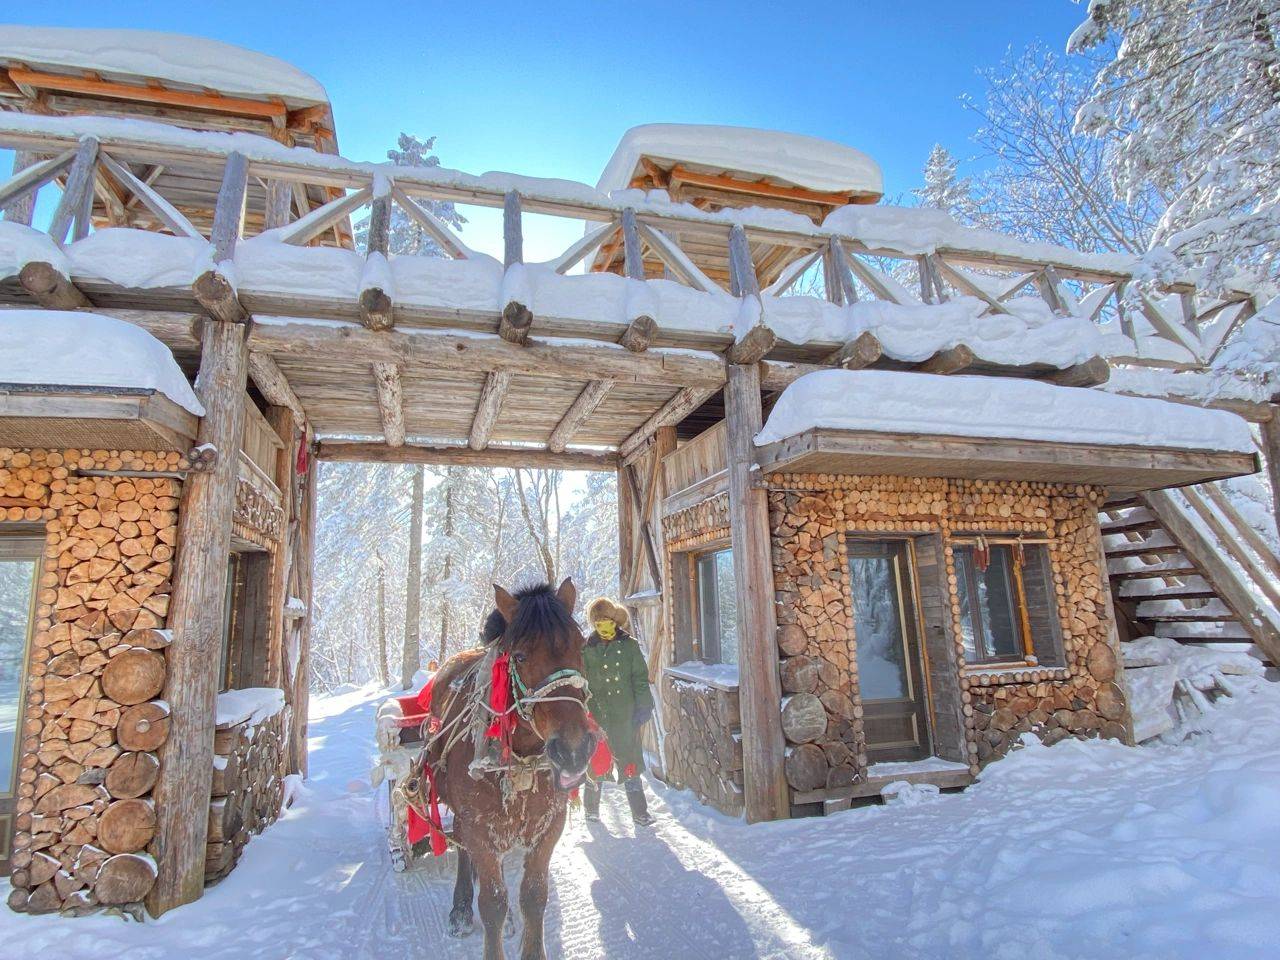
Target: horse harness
(518, 772)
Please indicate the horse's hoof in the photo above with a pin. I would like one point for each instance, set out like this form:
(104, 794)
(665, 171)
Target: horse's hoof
(461, 924)
(508, 927)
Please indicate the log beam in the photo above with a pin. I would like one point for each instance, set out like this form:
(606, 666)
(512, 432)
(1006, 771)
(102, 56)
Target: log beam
(952, 360)
(212, 288)
(862, 351)
(1092, 373)
(50, 288)
(272, 384)
(390, 402)
(492, 396)
(764, 781)
(195, 617)
(579, 412)
(342, 451)
(376, 308)
(79, 185)
(685, 401)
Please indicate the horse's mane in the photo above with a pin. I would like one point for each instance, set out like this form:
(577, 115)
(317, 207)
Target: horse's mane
(540, 617)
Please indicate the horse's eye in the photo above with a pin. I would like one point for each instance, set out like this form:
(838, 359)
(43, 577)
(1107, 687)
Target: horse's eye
(519, 658)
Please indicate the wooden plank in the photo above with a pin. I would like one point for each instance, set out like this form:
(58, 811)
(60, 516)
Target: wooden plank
(432, 225)
(167, 213)
(578, 414)
(17, 194)
(1230, 528)
(50, 288)
(195, 616)
(1205, 553)
(386, 377)
(212, 288)
(279, 204)
(341, 451)
(150, 93)
(764, 784)
(311, 225)
(763, 188)
(632, 258)
(79, 181)
(686, 400)
(492, 396)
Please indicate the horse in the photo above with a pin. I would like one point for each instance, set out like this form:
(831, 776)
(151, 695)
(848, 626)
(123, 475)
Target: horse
(520, 800)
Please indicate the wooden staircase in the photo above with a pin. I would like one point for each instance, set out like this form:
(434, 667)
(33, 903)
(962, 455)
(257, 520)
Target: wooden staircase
(1185, 565)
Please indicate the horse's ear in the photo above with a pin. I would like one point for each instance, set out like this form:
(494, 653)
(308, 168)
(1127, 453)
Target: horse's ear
(505, 603)
(568, 594)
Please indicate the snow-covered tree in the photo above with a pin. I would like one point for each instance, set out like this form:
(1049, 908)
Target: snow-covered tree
(405, 236)
(1190, 102)
(944, 189)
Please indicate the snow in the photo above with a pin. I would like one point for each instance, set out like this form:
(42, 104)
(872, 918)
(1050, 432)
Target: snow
(799, 160)
(191, 61)
(1081, 850)
(254, 704)
(894, 402)
(88, 350)
(20, 245)
(721, 675)
(904, 767)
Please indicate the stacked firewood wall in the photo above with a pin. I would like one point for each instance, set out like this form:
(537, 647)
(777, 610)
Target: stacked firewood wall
(811, 516)
(91, 725)
(703, 743)
(248, 789)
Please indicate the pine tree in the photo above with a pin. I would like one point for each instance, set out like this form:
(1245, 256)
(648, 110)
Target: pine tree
(944, 190)
(405, 236)
(1189, 101)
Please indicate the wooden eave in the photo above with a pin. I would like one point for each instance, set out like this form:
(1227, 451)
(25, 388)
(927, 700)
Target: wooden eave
(1118, 468)
(117, 418)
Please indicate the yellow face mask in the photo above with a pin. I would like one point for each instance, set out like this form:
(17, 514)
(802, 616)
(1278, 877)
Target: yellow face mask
(606, 629)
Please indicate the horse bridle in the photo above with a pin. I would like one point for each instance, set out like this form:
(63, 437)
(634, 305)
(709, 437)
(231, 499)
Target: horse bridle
(523, 698)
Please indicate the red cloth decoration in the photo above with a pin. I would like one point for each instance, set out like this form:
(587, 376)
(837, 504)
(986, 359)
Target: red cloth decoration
(602, 759)
(432, 825)
(424, 695)
(629, 771)
(303, 457)
(504, 718)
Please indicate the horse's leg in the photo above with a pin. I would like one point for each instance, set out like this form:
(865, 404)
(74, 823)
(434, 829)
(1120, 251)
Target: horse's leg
(533, 890)
(462, 918)
(493, 899)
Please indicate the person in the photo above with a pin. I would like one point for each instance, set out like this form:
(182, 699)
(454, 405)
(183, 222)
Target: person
(621, 702)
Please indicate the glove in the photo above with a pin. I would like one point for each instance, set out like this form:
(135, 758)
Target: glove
(640, 715)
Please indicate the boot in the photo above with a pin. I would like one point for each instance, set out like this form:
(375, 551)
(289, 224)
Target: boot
(591, 801)
(636, 800)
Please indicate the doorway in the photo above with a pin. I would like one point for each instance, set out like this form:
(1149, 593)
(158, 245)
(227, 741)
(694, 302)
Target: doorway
(888, 647)
(19, 559)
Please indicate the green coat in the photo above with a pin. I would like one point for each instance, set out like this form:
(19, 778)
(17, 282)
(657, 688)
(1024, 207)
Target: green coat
(618, 678)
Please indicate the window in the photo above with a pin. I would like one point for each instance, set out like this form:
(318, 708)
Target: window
(717, 606)
(1006, 612)
(246, 619)
(19, 557)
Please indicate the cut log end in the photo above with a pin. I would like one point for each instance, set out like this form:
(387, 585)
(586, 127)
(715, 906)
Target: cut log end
(50, 288)
(215, 293)
(515, 322)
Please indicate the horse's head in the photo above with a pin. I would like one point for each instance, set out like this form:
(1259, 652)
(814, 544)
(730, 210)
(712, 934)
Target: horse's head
(545, 644)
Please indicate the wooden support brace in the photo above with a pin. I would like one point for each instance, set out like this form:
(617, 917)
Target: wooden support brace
(669, 253)
(273, 386)
(883, 286)
(492, 396)
(376, 308)
(50, 288)
(1091, 373)
(279, 204)
(312, 224)
(839, 276)
(79, 183)
(742, 272)
(579, 412)
(166, 212)
(632, 256)
(685, 401)
(464, 456)
(386, 377)
(583, 248)
(966, 284)
(17, 199)
(435, 228)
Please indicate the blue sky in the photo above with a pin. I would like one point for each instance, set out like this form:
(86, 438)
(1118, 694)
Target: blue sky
(547, 90)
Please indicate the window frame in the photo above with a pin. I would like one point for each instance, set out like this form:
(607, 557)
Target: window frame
(707, 649)
(13, 539)
(966, 579)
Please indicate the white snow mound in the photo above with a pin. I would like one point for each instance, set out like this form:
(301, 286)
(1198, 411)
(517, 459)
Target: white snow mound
(64, 348)
(888, 401)
(194, 61)
(797, 159)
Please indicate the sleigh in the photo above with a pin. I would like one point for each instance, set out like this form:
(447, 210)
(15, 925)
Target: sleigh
(399, 739)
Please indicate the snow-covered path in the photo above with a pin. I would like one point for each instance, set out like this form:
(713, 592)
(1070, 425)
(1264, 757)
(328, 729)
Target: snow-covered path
(1082, 850)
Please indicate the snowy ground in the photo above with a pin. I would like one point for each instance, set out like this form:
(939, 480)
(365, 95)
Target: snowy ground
(1080, 850)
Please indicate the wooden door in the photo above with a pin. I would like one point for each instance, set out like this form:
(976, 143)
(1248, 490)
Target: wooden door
(19, 559)
(887, 630)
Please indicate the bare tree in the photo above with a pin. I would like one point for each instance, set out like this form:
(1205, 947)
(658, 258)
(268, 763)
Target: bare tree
(411, 662)
(536, 506)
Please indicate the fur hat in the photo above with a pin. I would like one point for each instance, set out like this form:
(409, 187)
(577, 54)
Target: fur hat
(602, 608)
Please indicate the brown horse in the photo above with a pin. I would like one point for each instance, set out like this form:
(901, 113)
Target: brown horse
(536, 627)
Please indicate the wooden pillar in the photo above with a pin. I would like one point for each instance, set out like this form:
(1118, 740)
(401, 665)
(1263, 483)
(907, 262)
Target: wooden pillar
(764, 782)
(626, 531)
(195, 616)
(21, 211)
(305, 560)
(1271, 452)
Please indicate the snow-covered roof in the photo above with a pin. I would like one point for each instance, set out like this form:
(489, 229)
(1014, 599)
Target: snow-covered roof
(791, 157)
(63, 348)
(193, 61)
(883, 401)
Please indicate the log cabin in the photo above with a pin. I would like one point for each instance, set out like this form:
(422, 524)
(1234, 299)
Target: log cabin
(857, 542)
